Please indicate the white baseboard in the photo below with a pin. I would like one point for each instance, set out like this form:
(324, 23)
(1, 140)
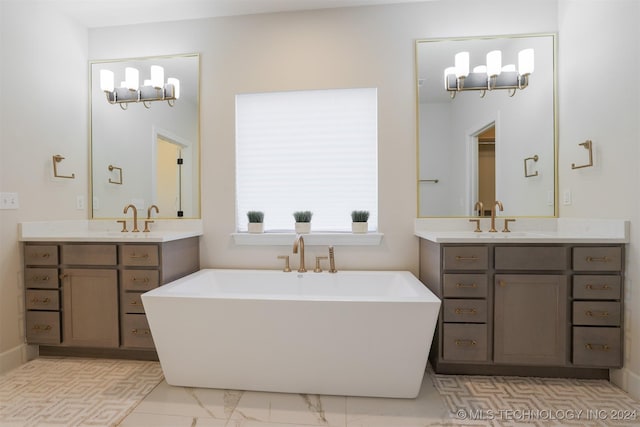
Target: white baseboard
(627, 380)
(17, 356)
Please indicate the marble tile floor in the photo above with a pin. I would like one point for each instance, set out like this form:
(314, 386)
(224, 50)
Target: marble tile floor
(168, 406)
(444, 400)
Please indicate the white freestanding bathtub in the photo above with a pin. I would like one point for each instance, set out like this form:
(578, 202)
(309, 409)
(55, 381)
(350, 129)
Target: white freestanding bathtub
(357, 333)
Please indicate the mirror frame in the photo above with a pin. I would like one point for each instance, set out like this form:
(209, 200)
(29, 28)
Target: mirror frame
(198, 151)
(554, 38)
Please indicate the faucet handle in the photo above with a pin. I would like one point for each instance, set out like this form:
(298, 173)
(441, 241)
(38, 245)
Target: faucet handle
(286, 268)
(146, 225)
(477, 221)
(332, 260)
(506, 224)
(124, 225)
(318, 259)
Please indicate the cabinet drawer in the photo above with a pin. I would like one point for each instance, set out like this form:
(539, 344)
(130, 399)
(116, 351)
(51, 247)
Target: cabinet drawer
(130, 302)
(531, 258)
(41, 255)
(139, 255)
(88, 254)
(597, 313)
(597, 347)
(43, 327)
(465, 310)
(465, 286)
(465, 257)
(597, 287)
(42, 300)
(46, 278)
(597, 259)
(140, 280)
(136, 331)
(464, 342)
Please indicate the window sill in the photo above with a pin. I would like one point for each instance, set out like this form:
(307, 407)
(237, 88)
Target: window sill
(311, 239)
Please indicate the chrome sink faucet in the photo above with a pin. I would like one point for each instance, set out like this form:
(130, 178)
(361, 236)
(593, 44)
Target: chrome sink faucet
(497, 203)
(299, 242)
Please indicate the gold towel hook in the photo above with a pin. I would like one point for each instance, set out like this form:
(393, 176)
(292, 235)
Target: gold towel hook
(119, 181)
(589, 146)
(57, 159)
(526, 172)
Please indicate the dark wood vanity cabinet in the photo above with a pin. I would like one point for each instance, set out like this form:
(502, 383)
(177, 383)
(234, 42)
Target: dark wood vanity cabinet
(535, 309)
(42, 294)
(87, 295)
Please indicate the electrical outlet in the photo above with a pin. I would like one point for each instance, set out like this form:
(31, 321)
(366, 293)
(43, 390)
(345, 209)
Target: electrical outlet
(80, 203)
(9, 201)
(566, 197)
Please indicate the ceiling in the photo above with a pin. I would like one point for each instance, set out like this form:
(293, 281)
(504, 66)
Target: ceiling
(105, 13)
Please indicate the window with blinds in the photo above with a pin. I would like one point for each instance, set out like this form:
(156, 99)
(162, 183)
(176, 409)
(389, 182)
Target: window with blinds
(307, 151)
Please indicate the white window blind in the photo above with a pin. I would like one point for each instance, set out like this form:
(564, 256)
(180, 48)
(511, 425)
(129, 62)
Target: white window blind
(307, 150)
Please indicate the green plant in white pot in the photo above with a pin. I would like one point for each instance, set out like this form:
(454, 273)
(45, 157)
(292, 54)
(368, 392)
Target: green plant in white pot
(303, 221)
(359, 221)
(256, 219)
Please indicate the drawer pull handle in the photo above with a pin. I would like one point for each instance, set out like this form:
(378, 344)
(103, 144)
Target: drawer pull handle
(41, 328)
(44, 255)
(598, 259)
(141, 279)
(466, 343)
(141, 332)
(466, 258)
(598, 288)
(40, 279)
(134, 256)
(597, 347)
(462, 285)
(471, 311)
(37, 300)
(134, 303)
(502, 283)
(597, 313)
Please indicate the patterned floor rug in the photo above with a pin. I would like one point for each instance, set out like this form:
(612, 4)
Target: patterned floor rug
(519, 401)
(74, 392)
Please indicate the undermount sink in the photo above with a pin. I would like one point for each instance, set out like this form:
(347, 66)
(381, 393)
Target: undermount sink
(488, 235)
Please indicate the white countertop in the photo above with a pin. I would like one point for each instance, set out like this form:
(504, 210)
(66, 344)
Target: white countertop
(525, 230)
(107, 231)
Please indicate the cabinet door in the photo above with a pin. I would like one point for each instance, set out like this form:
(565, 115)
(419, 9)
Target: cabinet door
(90, 305)
(530, 319)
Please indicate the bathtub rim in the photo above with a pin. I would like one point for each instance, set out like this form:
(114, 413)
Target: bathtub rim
(423, 293)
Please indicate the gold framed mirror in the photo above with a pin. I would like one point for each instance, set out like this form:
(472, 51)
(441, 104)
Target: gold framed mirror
(146, 153)
(458, 164)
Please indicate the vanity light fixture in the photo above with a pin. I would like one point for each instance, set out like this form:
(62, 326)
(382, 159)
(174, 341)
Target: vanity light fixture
(153, 89)
(491, 76)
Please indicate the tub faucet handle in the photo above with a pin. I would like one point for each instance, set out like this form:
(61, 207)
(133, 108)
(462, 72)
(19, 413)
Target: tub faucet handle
(332, 261)
(318, 269)
(286, 268)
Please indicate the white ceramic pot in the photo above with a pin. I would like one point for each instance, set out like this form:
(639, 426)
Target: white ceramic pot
(303, 227)
(359, 227)
(255, 227)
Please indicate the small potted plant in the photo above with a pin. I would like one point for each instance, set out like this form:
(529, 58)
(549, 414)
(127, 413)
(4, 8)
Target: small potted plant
(255, 221)
(303, 221)
(359, 222)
